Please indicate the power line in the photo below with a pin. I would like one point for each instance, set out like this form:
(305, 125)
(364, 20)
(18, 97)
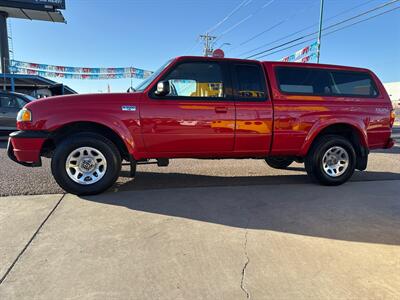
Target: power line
(283, 49)
(209, 42)
(306, 28)
(189, 50)
(264, 31)
(328, 27)
(273, 26)
(284, 44)
(234, 26)
(242, 4)
(336, 30)
(268, 3)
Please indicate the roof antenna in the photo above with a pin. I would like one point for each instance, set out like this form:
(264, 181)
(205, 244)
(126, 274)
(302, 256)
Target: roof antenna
(131, 88)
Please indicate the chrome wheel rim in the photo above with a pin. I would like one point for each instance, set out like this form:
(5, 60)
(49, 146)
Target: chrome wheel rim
(86, 165)
(335, 161)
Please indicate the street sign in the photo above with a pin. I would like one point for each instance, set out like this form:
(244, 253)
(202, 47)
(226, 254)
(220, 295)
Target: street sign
(34, 4)
(218, 53)
(41, 10)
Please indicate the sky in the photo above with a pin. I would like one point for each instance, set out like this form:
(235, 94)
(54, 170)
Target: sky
(147, 33)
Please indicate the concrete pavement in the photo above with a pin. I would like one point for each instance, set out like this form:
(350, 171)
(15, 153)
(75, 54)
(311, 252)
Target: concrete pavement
(277, 241)
(20, 218)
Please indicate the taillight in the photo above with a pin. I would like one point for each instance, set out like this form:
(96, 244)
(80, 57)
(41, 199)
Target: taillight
(392, 117)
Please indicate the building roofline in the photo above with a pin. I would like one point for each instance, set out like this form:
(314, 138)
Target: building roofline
(43, 80)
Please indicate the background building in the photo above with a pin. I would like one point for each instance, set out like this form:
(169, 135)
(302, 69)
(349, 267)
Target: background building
(393, 89)
(43, 10)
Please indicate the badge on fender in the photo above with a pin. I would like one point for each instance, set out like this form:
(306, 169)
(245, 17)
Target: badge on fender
(128, 108)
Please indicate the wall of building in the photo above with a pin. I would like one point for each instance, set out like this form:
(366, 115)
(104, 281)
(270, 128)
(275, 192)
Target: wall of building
(393, 89)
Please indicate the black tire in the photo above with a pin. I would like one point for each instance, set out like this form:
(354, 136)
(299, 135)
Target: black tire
(277, 162)
(93, 140)
(314, 161)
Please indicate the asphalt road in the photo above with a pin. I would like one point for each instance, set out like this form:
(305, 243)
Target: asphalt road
(19, 180)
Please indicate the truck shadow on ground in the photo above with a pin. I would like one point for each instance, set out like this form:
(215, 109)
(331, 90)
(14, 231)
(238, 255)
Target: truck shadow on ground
(394, 150)
(355, 212)
(155, 180)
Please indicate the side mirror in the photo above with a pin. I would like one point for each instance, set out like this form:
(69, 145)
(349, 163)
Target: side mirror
(163, 88)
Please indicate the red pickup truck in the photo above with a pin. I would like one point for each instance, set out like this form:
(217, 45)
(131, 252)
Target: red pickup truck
(326, 116)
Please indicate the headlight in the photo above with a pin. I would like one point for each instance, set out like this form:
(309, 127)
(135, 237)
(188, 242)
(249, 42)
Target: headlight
(24, 115)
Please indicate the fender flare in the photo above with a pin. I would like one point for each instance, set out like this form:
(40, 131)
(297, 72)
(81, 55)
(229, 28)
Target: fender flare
(320, 126)
(114, 124)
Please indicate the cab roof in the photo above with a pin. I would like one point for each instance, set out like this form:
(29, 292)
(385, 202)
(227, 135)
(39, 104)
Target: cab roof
(275, 63)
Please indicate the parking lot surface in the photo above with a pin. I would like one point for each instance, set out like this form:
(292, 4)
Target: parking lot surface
(20, 180)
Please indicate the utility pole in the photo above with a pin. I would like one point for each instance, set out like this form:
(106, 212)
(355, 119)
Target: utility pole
(207, 39)
(4, 50)
(321, 15)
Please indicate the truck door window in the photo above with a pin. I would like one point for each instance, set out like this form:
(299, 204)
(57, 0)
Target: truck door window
(196, 80)
(250, 82)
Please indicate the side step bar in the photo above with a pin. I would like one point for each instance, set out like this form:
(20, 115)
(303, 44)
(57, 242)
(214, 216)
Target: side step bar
(161, 162)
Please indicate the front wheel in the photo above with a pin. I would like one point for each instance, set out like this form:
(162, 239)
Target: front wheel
(279, 162)
(86, 164)
(331, 160)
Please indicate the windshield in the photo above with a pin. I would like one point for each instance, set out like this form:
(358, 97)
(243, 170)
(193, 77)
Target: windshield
(30, 98)
(145, 83)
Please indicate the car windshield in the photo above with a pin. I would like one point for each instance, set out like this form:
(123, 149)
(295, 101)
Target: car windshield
(145, 83)
(30, 98)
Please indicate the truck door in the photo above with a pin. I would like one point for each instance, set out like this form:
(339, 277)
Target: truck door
(254, 110)
(197, 116)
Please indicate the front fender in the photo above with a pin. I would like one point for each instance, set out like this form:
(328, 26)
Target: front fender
(53, 113)
(129, 135)
(321, 125)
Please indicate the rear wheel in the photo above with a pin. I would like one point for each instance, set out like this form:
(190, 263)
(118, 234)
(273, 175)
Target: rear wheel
(277, 162)
(331, 160)
(86, 164)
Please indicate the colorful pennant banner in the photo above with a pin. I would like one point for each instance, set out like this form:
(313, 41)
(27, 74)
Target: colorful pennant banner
(21, 67)
(78, 76)
(307, 59)
(306, 50)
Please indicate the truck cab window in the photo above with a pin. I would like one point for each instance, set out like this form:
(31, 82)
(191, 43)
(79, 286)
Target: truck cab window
(304, 81)
(353, 84)
(196, 80)
(250, 82)
(325, 82)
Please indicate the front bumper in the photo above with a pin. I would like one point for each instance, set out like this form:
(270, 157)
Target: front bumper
(24, 147)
